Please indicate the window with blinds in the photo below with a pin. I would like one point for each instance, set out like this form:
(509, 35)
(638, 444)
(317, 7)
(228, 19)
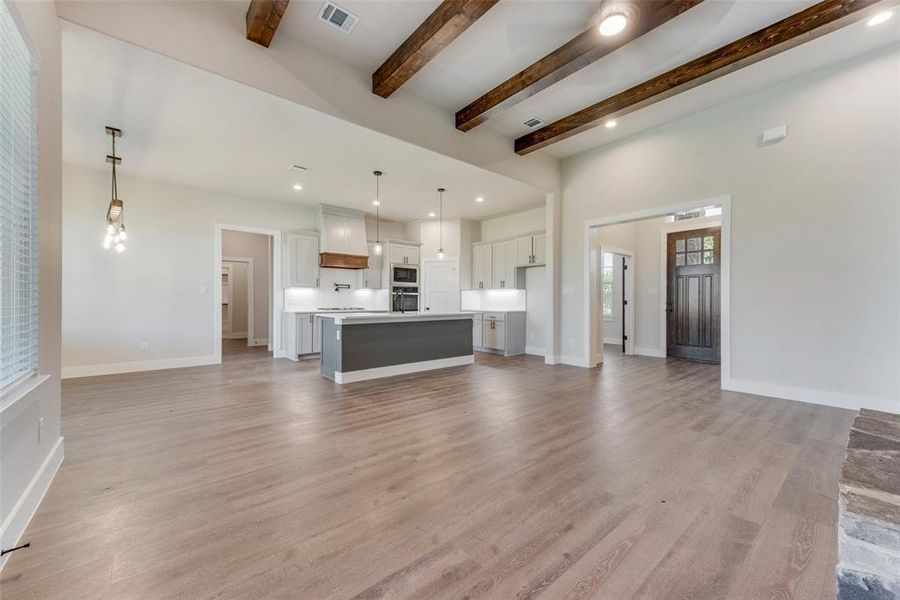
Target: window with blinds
(18, 200)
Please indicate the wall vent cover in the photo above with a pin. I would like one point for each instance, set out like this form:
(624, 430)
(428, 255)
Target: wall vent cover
(532, 122)
(336, 16)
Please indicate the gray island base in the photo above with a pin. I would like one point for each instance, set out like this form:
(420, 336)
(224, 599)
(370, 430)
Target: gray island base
(362, 346)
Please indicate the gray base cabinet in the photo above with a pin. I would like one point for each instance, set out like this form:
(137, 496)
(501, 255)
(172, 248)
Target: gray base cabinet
(500, 332)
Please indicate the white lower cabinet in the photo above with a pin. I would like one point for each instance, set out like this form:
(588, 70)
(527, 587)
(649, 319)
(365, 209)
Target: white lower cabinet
(309, 334)
(477, 331)
(500, 332)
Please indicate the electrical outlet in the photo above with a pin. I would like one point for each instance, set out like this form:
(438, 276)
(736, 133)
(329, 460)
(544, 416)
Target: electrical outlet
(145, 345)
(202, 290)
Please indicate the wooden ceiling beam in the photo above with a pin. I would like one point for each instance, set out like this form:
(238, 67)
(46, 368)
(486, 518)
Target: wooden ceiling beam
(442, 26)
(579, 52)
(263, 18)
(811, 23)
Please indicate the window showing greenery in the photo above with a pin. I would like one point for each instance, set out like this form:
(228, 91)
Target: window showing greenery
(606, 285)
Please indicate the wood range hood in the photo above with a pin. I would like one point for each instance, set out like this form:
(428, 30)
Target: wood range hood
(342, 238)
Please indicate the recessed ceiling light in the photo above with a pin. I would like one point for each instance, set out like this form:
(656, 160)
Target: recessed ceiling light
(431, 214)
(610, 124)
(298, 187)
(376, 203)
(479, 199)
(612, 24)
(879, 18)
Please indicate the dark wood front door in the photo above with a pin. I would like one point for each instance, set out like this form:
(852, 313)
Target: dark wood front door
(694, 283)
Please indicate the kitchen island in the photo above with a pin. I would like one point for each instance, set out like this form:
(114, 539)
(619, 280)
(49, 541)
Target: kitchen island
(361, 346)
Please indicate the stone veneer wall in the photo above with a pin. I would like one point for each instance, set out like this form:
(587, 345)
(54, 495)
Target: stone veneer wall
(869, 504)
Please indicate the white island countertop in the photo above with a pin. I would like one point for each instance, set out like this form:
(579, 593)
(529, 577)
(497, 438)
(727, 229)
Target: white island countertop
(358, 318)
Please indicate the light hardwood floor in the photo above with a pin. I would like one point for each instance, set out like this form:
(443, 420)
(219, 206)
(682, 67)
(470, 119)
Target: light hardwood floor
(505, 479)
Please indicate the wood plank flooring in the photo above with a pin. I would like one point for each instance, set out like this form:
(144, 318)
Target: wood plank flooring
(505, 479)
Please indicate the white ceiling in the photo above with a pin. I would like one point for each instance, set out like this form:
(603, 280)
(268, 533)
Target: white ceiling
(515, 33)
(185, 125)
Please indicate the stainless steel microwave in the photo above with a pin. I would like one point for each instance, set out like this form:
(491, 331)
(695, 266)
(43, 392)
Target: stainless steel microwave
(404, 274)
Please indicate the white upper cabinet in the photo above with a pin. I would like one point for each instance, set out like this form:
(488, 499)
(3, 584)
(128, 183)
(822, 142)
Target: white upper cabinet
(504, 265)
(482, 267)
(524, 251)
(301, 259)
(494, 265)
(539, 249)
(372, 275)
(403, 254)
(531, 250)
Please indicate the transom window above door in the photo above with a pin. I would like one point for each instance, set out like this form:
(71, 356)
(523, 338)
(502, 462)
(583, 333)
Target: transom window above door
(700, 250)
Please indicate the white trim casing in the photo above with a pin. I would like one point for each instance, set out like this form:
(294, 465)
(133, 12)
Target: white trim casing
(21, 514)
(404, 369)
(139, 365)
(276, 299)
(689, 225)
(725, 294)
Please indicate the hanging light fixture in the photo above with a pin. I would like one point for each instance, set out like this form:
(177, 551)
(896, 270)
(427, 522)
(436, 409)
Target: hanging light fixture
(441, 223)
(115, 213)
(377, 203)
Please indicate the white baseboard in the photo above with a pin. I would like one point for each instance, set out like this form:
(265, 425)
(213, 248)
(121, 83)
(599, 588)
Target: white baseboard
(615, 341)
(234, 335)
(575, 361)
(811, 396)
(258, 342)
(404, 369)
(20, 515)
(138, 365)
(654, 352)
(534, 350)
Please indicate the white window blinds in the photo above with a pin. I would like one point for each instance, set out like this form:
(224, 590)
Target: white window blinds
(18, 199)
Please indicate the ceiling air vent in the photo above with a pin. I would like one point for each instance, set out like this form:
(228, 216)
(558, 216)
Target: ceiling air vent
(532, 123)
(334, 15)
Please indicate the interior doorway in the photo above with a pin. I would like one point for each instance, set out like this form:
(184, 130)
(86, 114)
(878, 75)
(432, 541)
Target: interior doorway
(693, 290)
(247, 308)
(617, 299)
(685, 290)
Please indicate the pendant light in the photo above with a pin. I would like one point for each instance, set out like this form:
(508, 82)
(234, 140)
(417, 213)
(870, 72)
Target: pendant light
(377, 203)
(115, 212)
(441, 222)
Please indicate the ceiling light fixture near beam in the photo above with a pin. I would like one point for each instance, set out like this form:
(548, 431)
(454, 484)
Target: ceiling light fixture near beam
(479, 199)
(610, 124)
(612, 24)
(584, 49)
(297, 187)
(815, 21)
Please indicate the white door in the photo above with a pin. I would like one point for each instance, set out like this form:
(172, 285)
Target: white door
(441, 286)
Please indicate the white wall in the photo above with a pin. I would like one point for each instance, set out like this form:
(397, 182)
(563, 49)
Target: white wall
(508, 226)
(815, 260)
(159, 291)
(28, 460)
(255, 246)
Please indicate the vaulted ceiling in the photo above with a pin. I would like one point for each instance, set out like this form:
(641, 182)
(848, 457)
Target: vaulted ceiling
(452, 53)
